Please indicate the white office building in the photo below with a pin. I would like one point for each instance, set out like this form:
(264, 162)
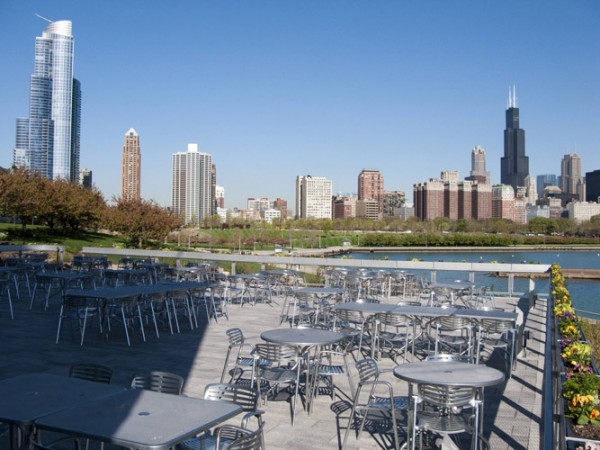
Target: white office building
(582, 211)
(313, 197)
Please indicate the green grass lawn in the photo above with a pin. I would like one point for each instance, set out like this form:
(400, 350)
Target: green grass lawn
(73, 242)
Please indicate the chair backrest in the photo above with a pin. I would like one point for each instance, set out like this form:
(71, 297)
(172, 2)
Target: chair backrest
(349, 316)
(367, 370)
(447, 397)
(496, 326)
(453, 322)
(276, 353)
(243, 396)
(249, 440)
(392, 319)
(235, 336)
(165, 382)
(91, 372)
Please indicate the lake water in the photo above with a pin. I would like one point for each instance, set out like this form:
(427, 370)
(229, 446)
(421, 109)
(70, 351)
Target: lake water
(585, 293)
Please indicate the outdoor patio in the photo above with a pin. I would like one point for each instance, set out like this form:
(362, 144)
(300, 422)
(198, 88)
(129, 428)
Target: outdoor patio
(512, 409)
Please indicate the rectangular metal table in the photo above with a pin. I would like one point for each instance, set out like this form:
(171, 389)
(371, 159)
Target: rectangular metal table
(139, 419)
(26, 398)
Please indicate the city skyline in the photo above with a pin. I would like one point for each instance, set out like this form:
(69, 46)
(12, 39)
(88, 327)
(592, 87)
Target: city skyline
(273, 91)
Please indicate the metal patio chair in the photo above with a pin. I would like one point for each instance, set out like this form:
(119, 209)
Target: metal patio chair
(165, 382)
(374, 402)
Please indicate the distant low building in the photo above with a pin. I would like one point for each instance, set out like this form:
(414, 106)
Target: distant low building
(368, 208)
(344, 207)
(534, 211)
(582, 211)
(271, 214)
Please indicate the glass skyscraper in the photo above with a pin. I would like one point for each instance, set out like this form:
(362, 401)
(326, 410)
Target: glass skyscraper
(48, 140)
(514, 165)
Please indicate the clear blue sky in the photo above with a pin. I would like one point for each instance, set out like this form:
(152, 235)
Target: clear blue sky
(276, 89)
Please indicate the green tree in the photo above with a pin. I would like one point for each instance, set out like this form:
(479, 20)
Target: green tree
(141, 221)
(20, 194)
(539, 225)
(70, 206)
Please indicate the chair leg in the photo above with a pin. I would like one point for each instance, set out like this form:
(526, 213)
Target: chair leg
(82, 326)
(154, 320)
(227, 363)
(125, 326)
(139, 312)
(60, 318)
(351, 420)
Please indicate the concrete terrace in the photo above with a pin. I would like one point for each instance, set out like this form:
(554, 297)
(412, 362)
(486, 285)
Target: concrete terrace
(512, 413)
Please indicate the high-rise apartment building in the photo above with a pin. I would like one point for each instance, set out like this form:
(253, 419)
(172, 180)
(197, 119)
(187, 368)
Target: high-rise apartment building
(428, 198)
(570, 175)
(370, 187)
(313, 197)
(463, 200)
(514, 165)
(131, 167)
(192, 195)
(478, 172)
(48, 141)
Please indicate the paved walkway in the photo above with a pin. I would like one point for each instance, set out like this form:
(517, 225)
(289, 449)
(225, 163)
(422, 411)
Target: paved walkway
(512, 413)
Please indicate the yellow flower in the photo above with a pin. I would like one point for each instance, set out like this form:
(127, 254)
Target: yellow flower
(594, 414)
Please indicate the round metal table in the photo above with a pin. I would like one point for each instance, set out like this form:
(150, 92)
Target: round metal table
(304, 339)
(301, 337)
(450, 373)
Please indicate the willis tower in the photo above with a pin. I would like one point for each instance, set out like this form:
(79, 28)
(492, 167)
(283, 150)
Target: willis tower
(514, 165)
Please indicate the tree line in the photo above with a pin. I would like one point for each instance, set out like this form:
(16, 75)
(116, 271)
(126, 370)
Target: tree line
(66, 207)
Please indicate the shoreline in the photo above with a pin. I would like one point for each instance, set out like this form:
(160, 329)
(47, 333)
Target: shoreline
(517, 248)
(569, 274)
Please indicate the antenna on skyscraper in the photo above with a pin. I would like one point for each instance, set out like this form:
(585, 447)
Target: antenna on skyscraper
(43, 18)
(515, 104)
